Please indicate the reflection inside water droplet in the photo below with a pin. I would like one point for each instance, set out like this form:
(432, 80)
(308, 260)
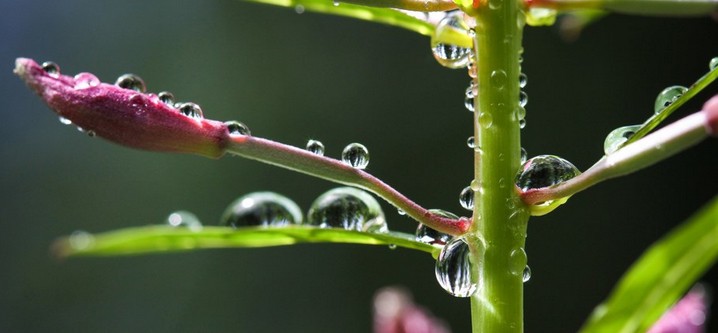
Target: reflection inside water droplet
(51, 69)
(191, 110)
(132, 82)
(526, 275)
(453, 269)
(167, 98)
(466, 198)
(543, 171)
(668, 96)
(86, 80)
(315, 147)
(237, 128)
(356, 155)
(347, 208)
(448, 32)
(266, 209)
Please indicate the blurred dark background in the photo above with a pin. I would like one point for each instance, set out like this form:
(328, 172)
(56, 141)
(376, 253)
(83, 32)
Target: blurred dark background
(293, 77)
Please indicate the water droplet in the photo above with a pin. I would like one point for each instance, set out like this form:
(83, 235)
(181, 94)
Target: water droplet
(668, 96)
(336, 3)
(475, 185)
(315, 147)
(91, 133)
(486, 120)
(356, 155)
(347, 208)
(713, 64)
(498, 79)
(469, 103)
(522, 123)
(266, 209)
(471, 142)
(392, 246)
(131, 81)
(495, 4)
(523, 99)
(299, 9)
(86, 80)
(466, 198)
(526, 274)
(65, 121)
(81, 240)
(51, 69)
(184, 219)
(237, 128)
(428, 235)
(523, 79)
(524, 155)
(543, 171)
(443, 46)
(617, 137)
(453, 269)
(400, 212)
(502, 182)
(191, 110)
(517, 261)
(167, 98)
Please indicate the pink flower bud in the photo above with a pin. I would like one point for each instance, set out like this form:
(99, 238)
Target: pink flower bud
(711, 110)
(687, 316)
(124, 116)
(395, 312)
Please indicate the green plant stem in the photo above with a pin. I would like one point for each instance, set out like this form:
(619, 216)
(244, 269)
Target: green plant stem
(633, 7)
(498, 232)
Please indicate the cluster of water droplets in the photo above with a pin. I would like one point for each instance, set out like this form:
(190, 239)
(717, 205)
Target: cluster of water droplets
(347, 208)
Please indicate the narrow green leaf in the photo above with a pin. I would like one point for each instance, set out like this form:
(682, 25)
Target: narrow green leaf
(656, 119)
(659, 278)
(381, 15)
(161, 238)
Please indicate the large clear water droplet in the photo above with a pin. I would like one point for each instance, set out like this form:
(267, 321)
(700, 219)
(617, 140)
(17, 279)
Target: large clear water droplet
(498, 79)
(486, 120)
(266, 209)
(237, 128)
(543, 171)
(167, 98)
(526, 275)
(444, 42)
(713, 64)
(86, 80)
(315, 147)
(453, 269)
(191, 110)
(668, 96)
(428, 235)
(347, 208)
(617, 137)
(184, 219)
(132, 82)
(517, 261)
(356, 155)
(466, 198)
(51, 68)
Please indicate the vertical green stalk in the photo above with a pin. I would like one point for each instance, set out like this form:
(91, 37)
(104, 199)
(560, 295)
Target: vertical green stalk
(499, 228)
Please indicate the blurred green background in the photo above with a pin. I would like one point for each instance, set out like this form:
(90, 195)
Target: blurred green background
(293, 77)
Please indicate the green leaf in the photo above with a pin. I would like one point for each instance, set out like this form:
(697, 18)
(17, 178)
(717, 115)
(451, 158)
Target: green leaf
(660, 277)
(381, 15)
(161, 238)
(656, 119)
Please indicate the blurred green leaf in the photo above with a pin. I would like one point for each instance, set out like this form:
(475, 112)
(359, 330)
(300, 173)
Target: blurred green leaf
(660, 277)
(381, 15)
(161, 238)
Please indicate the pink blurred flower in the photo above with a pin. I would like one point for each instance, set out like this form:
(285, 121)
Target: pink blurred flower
(395, 312)
(687, 316)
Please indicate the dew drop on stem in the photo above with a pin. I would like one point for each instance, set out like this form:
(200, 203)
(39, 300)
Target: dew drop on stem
(184, 219)
(265, 209)
(132, 82)
(466, 198)
(713, 64)
(443, 42)
(167, 98)
(347, 208)
(523, 79)
(453, 269)
(617, 137)
(51, 69)
(356, 155)
(543, 171)
(65, 121)
(471, 142)
(315, 147)
(668, 96)
(517, 261)
(523, 98)
(526, 275)
(237, 128)
(191, 110)
(428, 235)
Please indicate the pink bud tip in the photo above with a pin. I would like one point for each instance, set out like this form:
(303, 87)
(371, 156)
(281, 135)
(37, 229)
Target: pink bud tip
(711, 110)
(124, 116)
(395, 312)
(687, 316)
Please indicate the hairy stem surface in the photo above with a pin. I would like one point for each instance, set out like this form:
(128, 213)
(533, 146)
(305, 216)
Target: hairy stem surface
(499, 228)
